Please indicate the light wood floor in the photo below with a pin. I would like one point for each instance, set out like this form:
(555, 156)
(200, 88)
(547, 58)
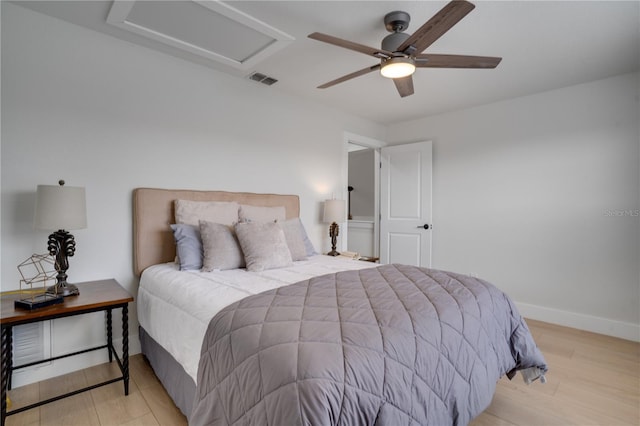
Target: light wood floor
(593, 380)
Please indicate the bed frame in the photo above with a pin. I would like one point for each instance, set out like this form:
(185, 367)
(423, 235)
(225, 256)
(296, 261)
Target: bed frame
(153, 241)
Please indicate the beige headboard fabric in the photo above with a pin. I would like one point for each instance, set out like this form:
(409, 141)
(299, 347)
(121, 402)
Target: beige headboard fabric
(153, 241)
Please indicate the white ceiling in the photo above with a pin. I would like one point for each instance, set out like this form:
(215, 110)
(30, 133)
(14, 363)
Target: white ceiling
(545, 45)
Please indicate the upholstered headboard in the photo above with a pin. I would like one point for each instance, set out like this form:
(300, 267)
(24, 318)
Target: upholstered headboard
(153, 241)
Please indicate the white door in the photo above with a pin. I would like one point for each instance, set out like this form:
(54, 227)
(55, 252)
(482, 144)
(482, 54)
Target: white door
(405, 204)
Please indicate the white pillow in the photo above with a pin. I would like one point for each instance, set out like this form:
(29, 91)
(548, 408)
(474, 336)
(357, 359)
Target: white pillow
(264, 245)
(220, 247)
(192, 212)
(261, 214)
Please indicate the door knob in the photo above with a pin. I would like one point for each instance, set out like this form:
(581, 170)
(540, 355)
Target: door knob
(425, 226)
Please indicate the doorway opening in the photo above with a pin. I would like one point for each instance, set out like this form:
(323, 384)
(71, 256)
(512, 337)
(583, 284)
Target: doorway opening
(362, 192)
(361, 201)
(402, 192)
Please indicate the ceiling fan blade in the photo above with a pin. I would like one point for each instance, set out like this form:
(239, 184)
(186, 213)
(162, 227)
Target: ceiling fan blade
(404, 86)
(435, 27)
(455, 61)
(350, 76)
(376, 53)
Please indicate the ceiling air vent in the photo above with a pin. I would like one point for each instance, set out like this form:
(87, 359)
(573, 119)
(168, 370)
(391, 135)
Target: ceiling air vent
(261, 78)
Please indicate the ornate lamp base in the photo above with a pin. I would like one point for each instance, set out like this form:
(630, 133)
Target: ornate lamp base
(62, 245)
(334, 231)
(63, 289)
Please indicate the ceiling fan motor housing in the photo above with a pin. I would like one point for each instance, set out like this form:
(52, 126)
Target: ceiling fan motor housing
(395, 22)
(391, 42)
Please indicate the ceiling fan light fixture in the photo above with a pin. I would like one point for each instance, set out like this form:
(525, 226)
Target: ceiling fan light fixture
(397, 67)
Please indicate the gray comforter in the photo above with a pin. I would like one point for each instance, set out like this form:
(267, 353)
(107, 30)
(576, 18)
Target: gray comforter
(391, 345)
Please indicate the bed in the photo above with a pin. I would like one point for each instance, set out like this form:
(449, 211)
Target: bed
(318, 340)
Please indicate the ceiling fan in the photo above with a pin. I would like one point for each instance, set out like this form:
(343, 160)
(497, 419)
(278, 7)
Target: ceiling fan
(401, 53)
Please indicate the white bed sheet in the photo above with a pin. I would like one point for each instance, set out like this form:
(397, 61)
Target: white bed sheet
(175, 307)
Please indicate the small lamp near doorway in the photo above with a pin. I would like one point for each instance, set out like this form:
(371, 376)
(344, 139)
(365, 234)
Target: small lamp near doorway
(334, 212)
(60, 208)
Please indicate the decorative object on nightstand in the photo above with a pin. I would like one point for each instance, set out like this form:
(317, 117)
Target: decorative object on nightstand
(62, 208)
(373, 259)
(350, 255)
(37, 270)
(334, 212)
(349, 188)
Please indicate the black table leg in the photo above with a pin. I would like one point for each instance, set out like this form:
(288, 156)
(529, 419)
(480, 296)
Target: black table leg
(125, 348)
(7, 364)
(109, 335)
(9, 356)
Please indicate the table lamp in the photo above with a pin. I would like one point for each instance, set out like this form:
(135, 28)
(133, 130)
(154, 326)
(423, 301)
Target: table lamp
(334, 211)
(60, 208)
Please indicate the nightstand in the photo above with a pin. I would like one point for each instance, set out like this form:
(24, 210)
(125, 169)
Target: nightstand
(94, 296)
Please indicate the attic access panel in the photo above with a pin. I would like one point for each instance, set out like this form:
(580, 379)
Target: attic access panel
(207, 28)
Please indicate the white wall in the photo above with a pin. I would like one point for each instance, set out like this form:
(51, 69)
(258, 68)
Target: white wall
(111, 116)
(531, 194)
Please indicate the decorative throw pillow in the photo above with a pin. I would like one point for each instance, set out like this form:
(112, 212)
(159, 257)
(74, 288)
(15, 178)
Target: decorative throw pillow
(192, 212)
(261, 214)
(308, 245)
(188, 246)
(264, 245)
(293, 234)
(220, 247)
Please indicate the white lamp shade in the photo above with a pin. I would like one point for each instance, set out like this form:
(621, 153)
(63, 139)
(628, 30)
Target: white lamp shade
(334, 211)
(60, 207)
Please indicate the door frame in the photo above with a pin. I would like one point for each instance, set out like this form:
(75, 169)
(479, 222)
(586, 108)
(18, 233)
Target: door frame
(376, 145)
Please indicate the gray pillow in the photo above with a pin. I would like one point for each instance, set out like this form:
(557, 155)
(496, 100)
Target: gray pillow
(264, 245)
(188, 246)
(220, 247)
(293, 234)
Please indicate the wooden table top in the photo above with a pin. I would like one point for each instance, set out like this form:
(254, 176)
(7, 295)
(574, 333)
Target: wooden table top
(94, 295)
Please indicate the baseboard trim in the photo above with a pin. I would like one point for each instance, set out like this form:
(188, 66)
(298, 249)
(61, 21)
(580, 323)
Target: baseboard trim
(623, 330)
